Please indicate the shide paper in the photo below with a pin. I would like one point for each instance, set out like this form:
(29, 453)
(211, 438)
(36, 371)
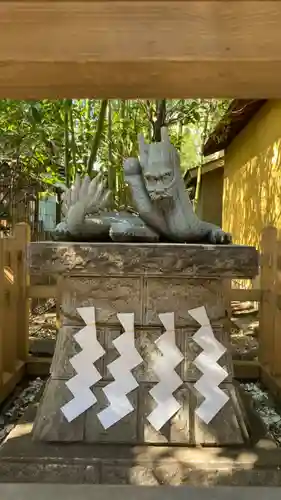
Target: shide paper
(117, 391)
(124, 382)
(87, 374)
(169, 380)
(206, 362)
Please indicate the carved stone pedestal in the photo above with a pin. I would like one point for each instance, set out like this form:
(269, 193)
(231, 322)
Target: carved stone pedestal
(144, 279)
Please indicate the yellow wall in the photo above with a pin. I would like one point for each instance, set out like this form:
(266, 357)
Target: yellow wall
(252, 177)
(210, 200)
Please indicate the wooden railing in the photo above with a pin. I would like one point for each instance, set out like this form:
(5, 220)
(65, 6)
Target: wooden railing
(14, 308)
(270, 310)
(16, 293)
(268, 294)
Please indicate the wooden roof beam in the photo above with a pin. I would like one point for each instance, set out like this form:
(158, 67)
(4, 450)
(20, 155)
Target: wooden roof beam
(145, 49)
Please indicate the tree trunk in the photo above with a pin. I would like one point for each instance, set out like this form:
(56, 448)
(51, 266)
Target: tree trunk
(72, 133)
(66, 144)
(199, 171)
(58, 206)
(111, 173)
(180, 129)
(160, 120)
(121, 193)
(97, 138)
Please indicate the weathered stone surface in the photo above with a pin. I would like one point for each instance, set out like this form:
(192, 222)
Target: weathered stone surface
(66, 347)
(145, 339)
(68, 491)
(179, 295)
(161, 471)
(115, 473)
(50, 424)
(183, 427)
(188, 371)
(147, 433)
(145, 343)
(107, 259)
(111, 353)
(124, 431)
(168, 471)
(224, 429)
(186, 428)
(164, 470)
(144, 279)
(175, 473)
(180, 423)
(131, 491)
(56, 473)
(91, 474)
(24, 460)
(108, 295)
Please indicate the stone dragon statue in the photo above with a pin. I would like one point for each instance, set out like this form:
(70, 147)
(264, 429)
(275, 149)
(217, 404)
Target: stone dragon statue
(163, 210)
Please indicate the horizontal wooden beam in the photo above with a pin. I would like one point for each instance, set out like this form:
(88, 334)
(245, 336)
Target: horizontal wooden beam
(140, 49)
(246, 370)
(38, 366)
(42, 291)
(107, 1)
(41, 346)
(239, 294)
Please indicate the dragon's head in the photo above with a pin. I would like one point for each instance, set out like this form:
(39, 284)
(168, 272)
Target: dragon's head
(158, 170)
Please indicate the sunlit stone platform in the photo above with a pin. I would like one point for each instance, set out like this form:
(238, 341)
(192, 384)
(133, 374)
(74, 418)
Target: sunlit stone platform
(144, 279)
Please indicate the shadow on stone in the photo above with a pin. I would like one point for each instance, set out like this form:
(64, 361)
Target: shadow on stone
(23, 460)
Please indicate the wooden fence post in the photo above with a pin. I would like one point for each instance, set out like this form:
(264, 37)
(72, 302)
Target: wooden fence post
(1, 309)
(10, 306)
(22, 236)
(268, 260)
(275, 367)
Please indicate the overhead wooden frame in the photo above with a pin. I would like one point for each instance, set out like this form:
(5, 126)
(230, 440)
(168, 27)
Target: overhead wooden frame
(146, 49)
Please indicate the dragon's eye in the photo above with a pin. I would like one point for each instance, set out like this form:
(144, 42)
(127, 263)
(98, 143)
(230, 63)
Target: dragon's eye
(167, 175)
(149, 178)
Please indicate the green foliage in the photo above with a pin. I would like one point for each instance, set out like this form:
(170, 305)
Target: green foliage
(55, 140)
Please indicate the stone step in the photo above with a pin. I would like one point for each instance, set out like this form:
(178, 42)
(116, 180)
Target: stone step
(100, 492)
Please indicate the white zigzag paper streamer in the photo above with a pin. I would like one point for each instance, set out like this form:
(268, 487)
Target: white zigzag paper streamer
(206, 362)
(124, 382)
(169, 380)
(87, 374)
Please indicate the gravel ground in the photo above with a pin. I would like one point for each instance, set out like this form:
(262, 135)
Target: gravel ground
(16, 405)
(243, 328)
(267, 410)
(42, 320)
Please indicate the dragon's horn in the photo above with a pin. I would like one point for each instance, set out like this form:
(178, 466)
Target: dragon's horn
(165, 135)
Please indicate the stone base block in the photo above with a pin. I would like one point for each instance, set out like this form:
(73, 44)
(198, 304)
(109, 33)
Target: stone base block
(23, 460)
(227, 428)
(147, 280)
